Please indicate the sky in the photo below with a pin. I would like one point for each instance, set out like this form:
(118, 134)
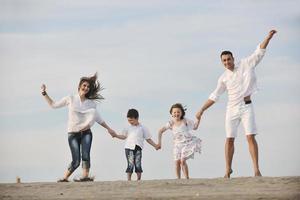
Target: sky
(148, 55)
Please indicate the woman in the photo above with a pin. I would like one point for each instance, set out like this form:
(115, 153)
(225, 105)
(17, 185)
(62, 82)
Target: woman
(82, 115)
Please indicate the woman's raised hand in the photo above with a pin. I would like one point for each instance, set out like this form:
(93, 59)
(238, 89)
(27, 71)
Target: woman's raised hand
(43, 88)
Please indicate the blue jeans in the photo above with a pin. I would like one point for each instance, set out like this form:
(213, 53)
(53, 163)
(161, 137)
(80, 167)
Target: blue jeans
(80, 141)
(134, 159)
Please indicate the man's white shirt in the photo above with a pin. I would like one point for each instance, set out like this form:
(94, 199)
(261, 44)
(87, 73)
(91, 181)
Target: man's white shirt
(240, 82)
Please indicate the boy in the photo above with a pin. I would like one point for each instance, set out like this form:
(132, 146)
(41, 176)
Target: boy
(135, 134)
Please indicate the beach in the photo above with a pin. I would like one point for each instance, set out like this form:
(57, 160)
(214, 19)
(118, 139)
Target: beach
(215, 188)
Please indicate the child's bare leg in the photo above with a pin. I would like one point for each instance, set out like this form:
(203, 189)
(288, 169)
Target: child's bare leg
(129, 176)
(85, 172)
(139, 176)
(178, 169)
(185, 168)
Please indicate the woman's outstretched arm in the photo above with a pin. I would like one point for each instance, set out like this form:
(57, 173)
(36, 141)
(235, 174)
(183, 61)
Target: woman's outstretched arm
(53, 104)
(109, 130)
(121, 137)
(45, 94)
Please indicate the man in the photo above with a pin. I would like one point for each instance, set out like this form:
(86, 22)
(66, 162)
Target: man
(239, 81)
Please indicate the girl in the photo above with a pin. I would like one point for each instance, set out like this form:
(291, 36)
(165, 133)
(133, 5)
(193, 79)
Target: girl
(82, 115)
(185, 144)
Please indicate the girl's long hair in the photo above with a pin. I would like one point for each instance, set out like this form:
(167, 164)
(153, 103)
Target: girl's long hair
(95, 87)
(181, 107)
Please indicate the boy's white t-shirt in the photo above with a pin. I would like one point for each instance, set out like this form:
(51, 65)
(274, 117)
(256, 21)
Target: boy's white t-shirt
(136, 136)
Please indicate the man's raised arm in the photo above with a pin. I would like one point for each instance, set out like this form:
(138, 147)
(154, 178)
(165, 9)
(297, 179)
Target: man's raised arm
(266, 41)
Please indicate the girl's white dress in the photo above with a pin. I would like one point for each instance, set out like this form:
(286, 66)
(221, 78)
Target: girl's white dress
(185, 143)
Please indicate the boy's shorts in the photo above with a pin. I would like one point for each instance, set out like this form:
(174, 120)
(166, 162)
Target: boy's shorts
(134, 159)
(243, 113)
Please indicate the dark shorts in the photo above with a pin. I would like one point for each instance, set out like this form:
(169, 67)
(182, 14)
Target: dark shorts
(134, 159)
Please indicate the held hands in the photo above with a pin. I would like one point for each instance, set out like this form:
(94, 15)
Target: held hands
(158, 146)
(196, 125)
(112, 133)
(198, 116)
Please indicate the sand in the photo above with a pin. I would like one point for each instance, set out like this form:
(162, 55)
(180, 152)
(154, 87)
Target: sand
(217, 188)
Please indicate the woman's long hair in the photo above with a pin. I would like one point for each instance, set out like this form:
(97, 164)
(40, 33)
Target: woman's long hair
(95, 87)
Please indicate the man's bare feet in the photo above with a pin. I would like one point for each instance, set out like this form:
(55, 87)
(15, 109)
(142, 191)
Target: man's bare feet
(228, 173)
(257, 174)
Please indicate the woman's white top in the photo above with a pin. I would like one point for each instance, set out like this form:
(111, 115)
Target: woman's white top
(82, 115)
(136, 136)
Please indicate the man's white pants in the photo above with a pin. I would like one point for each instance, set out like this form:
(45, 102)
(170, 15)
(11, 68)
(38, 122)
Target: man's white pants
(242, 113)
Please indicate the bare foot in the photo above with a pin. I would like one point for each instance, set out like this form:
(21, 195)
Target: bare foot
(228, 173)
(257, 174)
